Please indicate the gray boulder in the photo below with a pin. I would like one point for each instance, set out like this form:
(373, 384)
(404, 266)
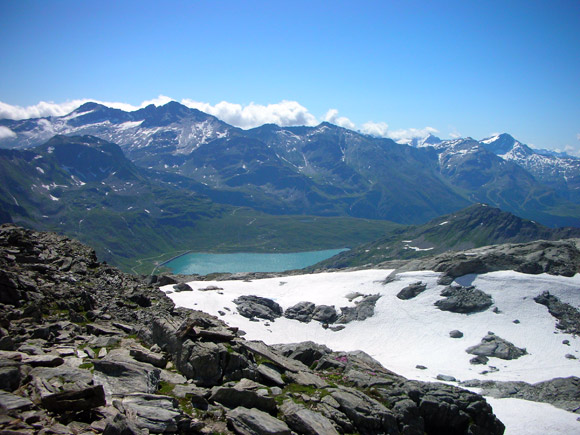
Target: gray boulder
(306, 352)
(246, 421)
(182, 287)
(464, 300)
(455, 334)
(155, 413)
(255, 306)
(304, 421)
(302, 311)
(369, 415)
(232, 397)
(325, 314)
(119, 376)
(493, 346)
(412, 290)
(362, 310)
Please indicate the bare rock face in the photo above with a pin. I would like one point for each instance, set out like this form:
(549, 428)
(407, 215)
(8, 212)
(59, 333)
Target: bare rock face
(493, 346)
(568, 316)
(561, 257)
(92, 349)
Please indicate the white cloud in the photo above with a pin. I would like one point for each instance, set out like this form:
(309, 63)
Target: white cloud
(379, 129)
(578, 136)
(44, 108)
(6, 133)
(285, 113)
(573, 151)
(406, 135)
(342, 121)
(454, 134)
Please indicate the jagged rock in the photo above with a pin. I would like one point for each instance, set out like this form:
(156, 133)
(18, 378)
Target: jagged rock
(307, 378)
(270, 375)
(123, 377)
(560, 257)
(43, 360)
(304, 421)
(75, 400)
(561, 392)
(156, 413)
(361, 311)
(255, 306)
(246, 421)
(306, 352)
(144, 355)
(9, 376)
(568, 316)
(165, 280)
(493, 346)
(278, 360)
(464, 300)
(479, 360)
(367, 414)
(121, 425)
(10, 402)
(234, 397)
(47, 287)
(448, 409)
(412, 290)
(324, 314)
(302, 311)
(182, 287)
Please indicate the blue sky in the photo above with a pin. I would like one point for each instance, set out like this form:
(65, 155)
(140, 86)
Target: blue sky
(458, 67)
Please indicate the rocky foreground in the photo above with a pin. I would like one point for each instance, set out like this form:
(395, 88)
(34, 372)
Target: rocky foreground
(87, 349)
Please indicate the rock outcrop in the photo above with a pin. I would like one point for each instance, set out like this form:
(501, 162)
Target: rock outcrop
(493, 346)
(412, 290)
(465, 300)
(561, 257)
(568, 317)
(255, 306)
(561, 392)
(88, 349)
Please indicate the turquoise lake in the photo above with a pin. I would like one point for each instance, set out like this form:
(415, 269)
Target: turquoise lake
(204, 264)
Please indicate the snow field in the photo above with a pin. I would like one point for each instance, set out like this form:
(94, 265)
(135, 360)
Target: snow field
(405, 333)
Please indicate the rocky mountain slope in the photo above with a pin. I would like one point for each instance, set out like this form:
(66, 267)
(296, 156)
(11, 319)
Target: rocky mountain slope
(502, 320)
(556, 170)
(88, 349)
(83, 186)
(323, 170)
(472, 227)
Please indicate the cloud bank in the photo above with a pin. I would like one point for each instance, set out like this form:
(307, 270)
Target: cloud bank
(6, 133)
(285, 113)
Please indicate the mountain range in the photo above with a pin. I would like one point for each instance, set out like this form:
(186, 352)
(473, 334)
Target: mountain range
(162, 180)
(84, 187)
(326, 170)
